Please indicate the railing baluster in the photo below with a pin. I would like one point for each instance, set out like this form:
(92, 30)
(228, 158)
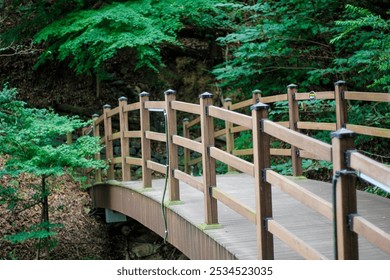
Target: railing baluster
(341, 106)
(228, 132)
(124, 126)
(96, 133)
(263, 194)
(145, 143)
(108, 143)
(186, 152)
(293, 110)
(174, 190)
(209, 173)
(345, 196)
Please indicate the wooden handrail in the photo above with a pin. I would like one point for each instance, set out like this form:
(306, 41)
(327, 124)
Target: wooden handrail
(293, 241)
(367, 96)
(262, 129)
(371, 232)
(156, 136)
(186, 107)
(301, 194)
(235, 205)
(314, 146)
(132, 107)
(231, 116)
(231, 160)
(318, 95)
(155, 105)
(368, 130)
(370, 167)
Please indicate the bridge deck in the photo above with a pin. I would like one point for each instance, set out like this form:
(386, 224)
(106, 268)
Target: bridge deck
(237, 235)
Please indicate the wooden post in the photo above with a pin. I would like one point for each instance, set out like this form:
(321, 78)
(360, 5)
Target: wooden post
(96, 133)
(296, 160)
(171, 129)
(145, 143)
(347, 240)
(208, 163)
(341, 105)
(263, 191)
(124, 127)
(228, 132)
(186, 152)
(108, 143)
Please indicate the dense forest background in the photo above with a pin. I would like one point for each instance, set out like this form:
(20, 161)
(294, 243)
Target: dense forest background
(115, 48)
(75, 56)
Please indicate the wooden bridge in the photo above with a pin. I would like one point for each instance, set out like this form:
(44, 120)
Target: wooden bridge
(253, 212)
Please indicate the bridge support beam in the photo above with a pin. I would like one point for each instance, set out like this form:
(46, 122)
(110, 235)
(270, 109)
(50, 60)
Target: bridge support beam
(263, 192)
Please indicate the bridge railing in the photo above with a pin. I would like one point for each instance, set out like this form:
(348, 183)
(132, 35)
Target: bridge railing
(347, 222)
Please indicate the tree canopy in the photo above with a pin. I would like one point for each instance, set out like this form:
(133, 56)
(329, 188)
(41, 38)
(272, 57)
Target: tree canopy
(264, 44)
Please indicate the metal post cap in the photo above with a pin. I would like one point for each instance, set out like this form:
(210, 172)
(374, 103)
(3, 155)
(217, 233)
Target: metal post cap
(186, 120)
(95, 116)
(107, 106)
(343, 133)
(122, 98)
(205, 95)
(257, 91)
(170, 91)
(259, 106)
(228, 99)
(143, 94)
(292, 86)
(340, 83)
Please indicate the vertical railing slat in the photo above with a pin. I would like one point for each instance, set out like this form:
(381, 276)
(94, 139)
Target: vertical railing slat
(208, 163)
(96, 133)
(174, 190)
(341, 106)
(124, 126)
(296, 160)
(263, 194)
(345, 196)
(145, 143)
(108, 143)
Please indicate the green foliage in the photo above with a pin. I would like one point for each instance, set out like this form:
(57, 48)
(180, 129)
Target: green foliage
(31, 139)
(367, 36)
(39, 231)
(313, 43)
(276, 43)
(92, 36)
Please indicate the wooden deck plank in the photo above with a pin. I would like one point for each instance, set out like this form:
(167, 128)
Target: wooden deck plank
(238, 235)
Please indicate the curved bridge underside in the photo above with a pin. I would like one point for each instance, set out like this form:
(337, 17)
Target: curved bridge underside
(235, 237)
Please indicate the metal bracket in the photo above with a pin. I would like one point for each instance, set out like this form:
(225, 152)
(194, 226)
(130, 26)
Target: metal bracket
(350, 220)
(262, 125)
(347, 157)
(294, 98)
(265, 223)
(264, 174)
(297, 152)
(207, 110)
(342, 95)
